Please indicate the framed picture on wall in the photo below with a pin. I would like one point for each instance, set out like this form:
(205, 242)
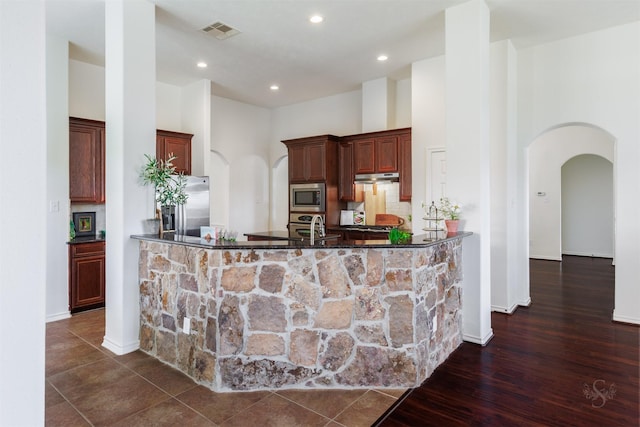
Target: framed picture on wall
(84, 223)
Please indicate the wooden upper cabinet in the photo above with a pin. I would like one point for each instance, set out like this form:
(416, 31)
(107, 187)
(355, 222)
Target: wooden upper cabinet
(346, 187)
(297, 155)
(316, 161)
(379, 152)
(178, 144)
(86, 161)
(387, 154)
(404, 166)
(311, 159)
(375, 154)
(364, 155)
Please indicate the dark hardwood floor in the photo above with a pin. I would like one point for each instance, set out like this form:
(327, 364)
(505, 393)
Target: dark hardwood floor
(542, 362)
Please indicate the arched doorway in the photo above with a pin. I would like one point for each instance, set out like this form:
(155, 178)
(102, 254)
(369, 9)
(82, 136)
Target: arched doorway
(546, 155)
(587, 206)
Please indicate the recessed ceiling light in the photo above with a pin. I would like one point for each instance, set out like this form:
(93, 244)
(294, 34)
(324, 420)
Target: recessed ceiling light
(202, 64)
(316, 19)
(274, 87)
(382, 58)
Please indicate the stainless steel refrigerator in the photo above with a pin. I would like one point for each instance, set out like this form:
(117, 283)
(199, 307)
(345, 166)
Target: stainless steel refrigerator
(195, 213)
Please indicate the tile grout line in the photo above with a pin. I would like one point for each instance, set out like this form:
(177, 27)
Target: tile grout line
(308, 409)
(70, 404)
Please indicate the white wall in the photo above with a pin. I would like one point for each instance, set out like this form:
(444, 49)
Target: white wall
(587, 206)
(23, 138)
(86, 90)
(57, 178)
(335, 115)
(169, 107)
(428, 128)
(240, 135)
(403, 103)
(593, 79)
(196, 119)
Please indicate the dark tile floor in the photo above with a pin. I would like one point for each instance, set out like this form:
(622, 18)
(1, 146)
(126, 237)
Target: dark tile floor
(87, 385)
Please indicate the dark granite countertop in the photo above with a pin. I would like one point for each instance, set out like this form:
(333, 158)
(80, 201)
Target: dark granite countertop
(417, 241)
(284, 235)
(85, 239)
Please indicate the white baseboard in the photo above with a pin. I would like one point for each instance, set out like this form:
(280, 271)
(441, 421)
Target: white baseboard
(58, 316)
(525, 303)
(506, 310)
(587, 254)
(478, 340)
(548, 258)
(625, 319)
(119, 349)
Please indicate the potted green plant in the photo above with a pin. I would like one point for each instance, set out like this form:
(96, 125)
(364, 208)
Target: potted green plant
(169, 189)
(451, 214)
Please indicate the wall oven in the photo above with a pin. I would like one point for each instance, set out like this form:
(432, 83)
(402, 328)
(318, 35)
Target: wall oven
(300, 226)
(307, 197)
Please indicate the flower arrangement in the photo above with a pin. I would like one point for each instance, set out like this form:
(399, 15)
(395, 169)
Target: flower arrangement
(449, 209)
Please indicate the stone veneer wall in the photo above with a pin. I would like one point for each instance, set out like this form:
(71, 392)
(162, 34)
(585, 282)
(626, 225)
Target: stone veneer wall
(301, 318)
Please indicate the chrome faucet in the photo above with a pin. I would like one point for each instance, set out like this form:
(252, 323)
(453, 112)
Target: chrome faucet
(313, 228)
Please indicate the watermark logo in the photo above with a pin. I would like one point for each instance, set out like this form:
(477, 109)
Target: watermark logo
(598, 392)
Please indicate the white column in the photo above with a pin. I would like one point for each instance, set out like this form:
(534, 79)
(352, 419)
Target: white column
(507, 258)
(130, 133)
(468, 165)
(378, 105)
(23, 237)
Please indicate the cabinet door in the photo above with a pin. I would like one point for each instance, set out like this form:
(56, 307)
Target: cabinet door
(87, 276)
(404, 167)
(315, 162)
(364, 156)
(297, 164)
(386, 154)
(346, 176)
(178, 144)
(86, 161)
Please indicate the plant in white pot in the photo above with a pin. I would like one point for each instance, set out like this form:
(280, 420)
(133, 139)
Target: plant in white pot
(169, 189)
(451, 214)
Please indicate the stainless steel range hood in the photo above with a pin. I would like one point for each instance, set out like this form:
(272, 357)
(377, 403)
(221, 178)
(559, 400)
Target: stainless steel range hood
(372, 178)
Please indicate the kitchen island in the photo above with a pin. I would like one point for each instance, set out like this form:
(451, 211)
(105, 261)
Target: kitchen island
(266, 315)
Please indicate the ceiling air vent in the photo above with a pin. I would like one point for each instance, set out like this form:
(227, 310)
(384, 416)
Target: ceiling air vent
(220, 30)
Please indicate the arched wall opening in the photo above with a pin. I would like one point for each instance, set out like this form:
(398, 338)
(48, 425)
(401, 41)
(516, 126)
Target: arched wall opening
(546, 156)
(587, 207)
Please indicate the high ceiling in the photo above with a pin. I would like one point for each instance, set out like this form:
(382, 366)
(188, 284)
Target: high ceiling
(277, 44)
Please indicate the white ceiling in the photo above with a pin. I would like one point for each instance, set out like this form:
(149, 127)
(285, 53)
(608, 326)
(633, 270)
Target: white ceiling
(278, 45)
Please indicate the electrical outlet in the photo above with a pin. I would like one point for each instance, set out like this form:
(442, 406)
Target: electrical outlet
(186, 325)
(435, 324)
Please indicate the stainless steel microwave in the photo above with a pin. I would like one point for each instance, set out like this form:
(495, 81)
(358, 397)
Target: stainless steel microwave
(307, 197)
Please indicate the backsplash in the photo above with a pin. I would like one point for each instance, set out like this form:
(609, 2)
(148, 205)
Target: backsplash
(392, 200)
(100, 211)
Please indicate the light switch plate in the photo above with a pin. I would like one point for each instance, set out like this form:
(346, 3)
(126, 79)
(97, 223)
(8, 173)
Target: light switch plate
(186, 325)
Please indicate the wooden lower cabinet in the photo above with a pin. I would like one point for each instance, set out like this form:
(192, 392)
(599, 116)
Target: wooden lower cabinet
(365, 235)
(86, 275)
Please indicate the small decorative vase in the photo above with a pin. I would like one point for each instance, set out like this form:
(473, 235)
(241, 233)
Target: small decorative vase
(452, 225)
